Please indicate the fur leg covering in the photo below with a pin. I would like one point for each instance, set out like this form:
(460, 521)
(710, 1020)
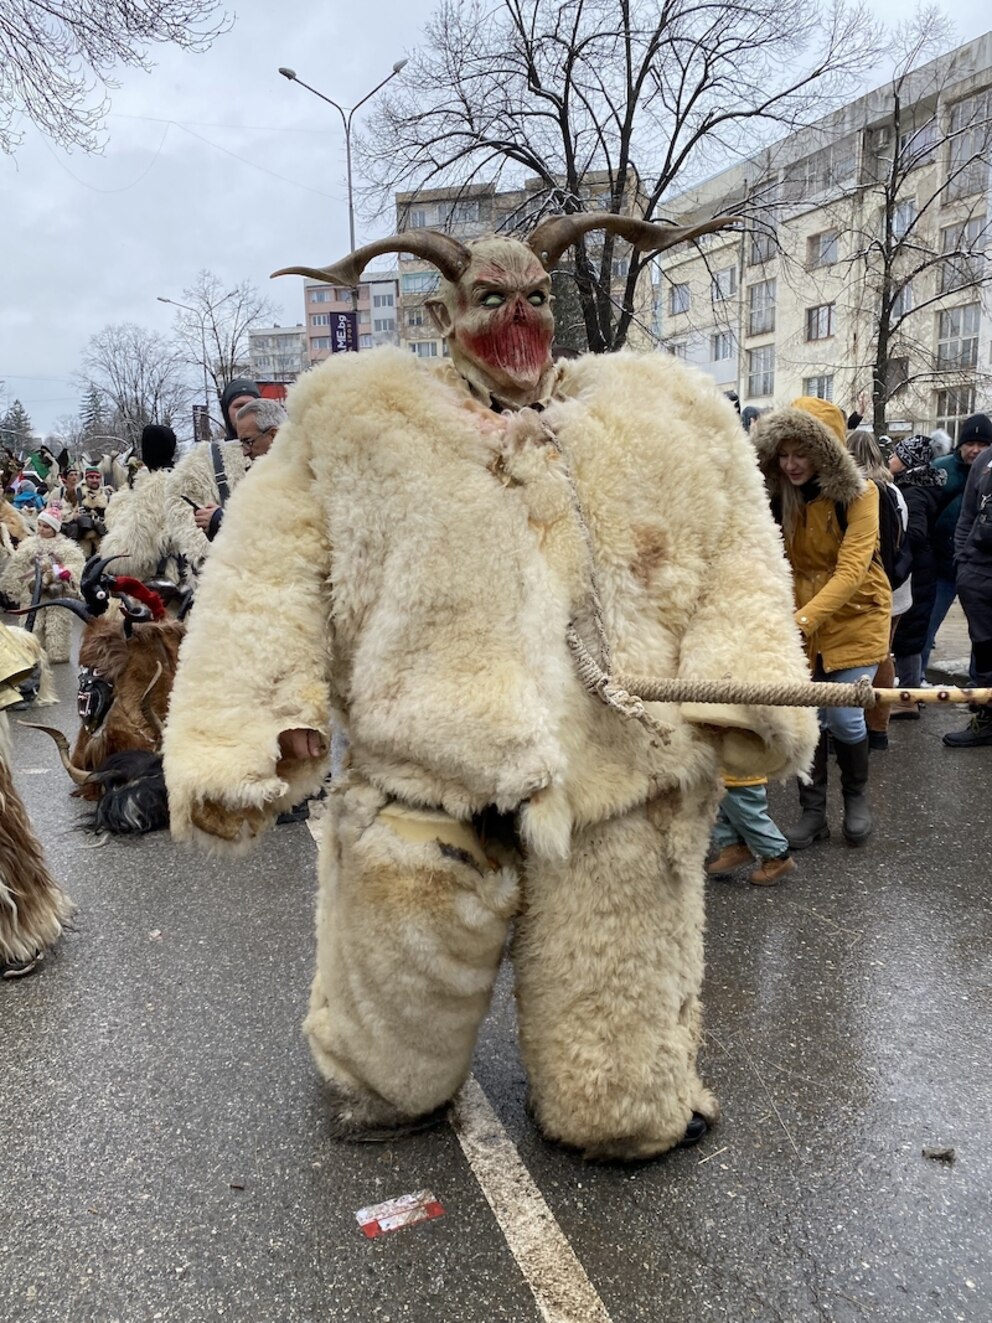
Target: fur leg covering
(55, 628)
(33, 907)
(411, 923)
(609, 964)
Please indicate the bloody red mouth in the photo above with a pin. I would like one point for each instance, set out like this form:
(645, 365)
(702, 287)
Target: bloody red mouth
(518, 345)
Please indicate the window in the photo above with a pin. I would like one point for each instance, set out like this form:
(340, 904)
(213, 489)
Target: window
(321, 296)
(916, 146)
(722, 346)
(970, 135)
(365, 342)
(677, 348)
(761, 307)
(724, 284)
(382, 300)
(953, 407)
(821, 387)
(762, 247)
(896, 376)
(320, 319)
(417, 219)
(761, 371)
(420, 282)
(678, 299)
(318, 342)
(903, 218)
(463, 212)
(821, 249)
(820, 324)
(902, 303)
(415, 316)
(621, 268)
(965, 264)
(424, 349)
(957, 336)
(384, 324)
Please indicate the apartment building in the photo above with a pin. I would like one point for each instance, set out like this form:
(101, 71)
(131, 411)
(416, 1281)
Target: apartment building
(328, 308)
(873, 224)
(472, 210)
(277, 353)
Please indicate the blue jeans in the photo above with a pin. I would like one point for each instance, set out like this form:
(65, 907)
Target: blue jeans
(845, 724)
(946, 593)
(743, 816)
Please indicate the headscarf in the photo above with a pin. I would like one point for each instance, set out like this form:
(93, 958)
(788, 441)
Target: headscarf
(916, 453)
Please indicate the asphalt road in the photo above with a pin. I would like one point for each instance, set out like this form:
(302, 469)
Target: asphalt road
(163, 1153)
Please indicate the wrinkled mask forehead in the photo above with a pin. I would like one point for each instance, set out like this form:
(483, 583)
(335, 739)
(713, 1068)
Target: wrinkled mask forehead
(497, 264)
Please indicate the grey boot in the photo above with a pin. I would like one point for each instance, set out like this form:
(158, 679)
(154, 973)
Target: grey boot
(852, 759)
(812, 824)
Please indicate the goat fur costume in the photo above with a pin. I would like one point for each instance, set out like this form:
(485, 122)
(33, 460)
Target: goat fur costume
(17, 581)
(420, 599)
(194, 478)
(33, 907)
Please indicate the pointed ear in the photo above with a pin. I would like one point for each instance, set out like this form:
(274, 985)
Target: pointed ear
(440, 315)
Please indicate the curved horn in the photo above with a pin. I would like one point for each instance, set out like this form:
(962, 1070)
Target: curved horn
(78, 775)
(72, 604)
(557, 233)
(450, 256)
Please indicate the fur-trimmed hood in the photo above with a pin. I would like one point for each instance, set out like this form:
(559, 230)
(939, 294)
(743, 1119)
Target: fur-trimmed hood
(839, 477)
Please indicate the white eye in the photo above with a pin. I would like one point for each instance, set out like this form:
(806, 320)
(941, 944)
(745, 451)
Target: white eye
(493, 299)
(538, 298)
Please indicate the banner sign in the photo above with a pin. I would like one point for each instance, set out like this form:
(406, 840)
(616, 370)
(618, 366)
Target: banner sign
(344, 332)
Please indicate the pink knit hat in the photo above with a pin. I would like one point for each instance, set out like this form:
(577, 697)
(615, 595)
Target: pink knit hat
(51, 518)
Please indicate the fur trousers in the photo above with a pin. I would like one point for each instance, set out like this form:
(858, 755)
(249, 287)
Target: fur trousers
(412, 919)
(33, 907)
(54, 632)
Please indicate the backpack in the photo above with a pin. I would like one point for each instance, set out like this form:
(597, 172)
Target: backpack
(895, 552)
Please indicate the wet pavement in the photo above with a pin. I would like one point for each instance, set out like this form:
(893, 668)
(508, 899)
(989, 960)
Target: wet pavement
(163, 1153)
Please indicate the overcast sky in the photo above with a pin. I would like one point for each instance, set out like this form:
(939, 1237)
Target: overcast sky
(211, 161)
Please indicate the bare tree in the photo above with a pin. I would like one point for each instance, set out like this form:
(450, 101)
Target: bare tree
(140, 375)
(211, 332)
(57, 56)
(912, 261)
(637, 94)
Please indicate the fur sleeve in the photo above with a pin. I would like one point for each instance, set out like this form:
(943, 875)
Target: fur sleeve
(255, 660)
(743, 627)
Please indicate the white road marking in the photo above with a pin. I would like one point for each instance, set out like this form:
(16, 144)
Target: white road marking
(562, 1291)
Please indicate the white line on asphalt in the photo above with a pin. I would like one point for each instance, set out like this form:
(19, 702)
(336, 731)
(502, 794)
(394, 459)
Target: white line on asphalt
(562, 1291)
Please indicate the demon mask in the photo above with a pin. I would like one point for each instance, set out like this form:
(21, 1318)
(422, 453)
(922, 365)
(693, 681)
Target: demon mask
(493, 305)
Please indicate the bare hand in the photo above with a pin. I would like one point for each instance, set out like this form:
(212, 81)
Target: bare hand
(203, 514)
(300, 744)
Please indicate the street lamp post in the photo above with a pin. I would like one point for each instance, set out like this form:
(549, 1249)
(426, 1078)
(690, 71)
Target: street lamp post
(346, 118)
(203, 340)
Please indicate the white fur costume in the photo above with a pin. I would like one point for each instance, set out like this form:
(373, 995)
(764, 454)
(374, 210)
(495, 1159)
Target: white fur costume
(52, 628)
(421, 598)
(194, 477)
(138, 527)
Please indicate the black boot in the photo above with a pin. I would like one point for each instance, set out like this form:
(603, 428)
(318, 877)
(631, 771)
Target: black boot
(852, 759)
(812, 824)
(979, 729)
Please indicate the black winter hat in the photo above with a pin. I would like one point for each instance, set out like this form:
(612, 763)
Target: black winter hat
(976, 428)
(158, 446)
(239, 386)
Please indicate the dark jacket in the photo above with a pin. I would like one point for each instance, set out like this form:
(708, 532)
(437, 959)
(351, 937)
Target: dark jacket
(974, 563)
(923, 505)
(953, 494)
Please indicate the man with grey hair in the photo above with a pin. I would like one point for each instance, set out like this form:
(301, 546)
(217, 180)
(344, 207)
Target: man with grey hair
(256, 424)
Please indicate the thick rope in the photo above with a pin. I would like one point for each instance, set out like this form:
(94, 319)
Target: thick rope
(609, 692)
(801, 694)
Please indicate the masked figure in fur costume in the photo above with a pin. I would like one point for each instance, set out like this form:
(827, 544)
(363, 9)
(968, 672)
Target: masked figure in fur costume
(475, 546)
(60, 563)
(33, 907)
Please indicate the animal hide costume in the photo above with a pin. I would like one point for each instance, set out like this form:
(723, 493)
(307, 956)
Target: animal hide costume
(55, 555)
(33, 907)
(194, 479)
(138, 527)
(464, 538)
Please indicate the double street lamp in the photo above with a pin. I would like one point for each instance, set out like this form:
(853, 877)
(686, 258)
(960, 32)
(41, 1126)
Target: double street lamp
(198, 312)
(346, 118)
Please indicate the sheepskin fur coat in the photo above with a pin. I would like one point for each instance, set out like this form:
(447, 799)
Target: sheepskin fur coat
(423, 594)
(194, 478)
(137, 527)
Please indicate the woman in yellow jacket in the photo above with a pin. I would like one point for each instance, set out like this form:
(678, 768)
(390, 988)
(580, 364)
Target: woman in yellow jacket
(829, 517)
